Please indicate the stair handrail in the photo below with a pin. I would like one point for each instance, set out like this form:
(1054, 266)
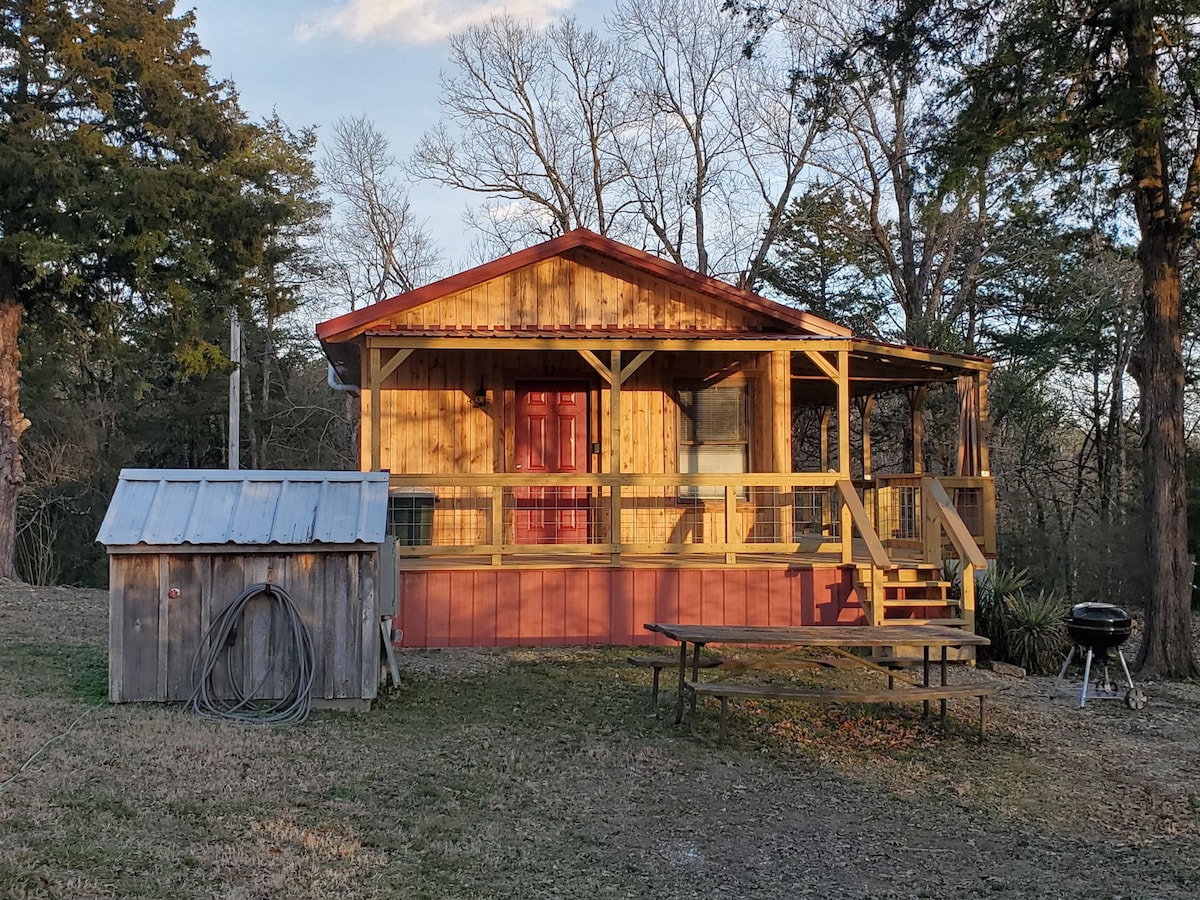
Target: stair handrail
(858, 514)
(960, 536)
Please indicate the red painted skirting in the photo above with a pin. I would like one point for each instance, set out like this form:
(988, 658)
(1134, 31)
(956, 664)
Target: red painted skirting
(540, 607)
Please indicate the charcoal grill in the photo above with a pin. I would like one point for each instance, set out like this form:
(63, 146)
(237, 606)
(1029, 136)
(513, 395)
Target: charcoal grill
(1099, 629)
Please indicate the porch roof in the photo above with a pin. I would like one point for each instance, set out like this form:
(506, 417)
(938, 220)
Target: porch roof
(875, 366)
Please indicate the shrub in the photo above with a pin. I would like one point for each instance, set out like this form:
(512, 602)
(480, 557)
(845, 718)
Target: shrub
(1032, 628)
(997, 583)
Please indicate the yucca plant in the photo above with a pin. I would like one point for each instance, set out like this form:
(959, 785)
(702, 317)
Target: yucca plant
(1033, 632)
(994, 585)
(1002, 581)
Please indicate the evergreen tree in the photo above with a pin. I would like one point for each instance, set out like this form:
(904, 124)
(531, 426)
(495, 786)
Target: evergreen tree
(133, 207)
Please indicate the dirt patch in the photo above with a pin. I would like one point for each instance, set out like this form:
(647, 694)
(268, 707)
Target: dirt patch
(543, 773)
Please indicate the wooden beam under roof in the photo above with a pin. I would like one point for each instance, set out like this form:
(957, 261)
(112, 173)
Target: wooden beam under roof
(713, 342)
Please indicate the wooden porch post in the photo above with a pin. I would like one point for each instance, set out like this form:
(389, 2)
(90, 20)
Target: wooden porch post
(614, 455)
(826, 415)
(376, 417)
(916, 405)
(843, 413)
(785, 496)
(865, 407)
(377, 376)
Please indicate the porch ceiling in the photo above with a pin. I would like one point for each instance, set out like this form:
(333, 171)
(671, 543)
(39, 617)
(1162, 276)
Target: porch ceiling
(875, 367)
(876, 370)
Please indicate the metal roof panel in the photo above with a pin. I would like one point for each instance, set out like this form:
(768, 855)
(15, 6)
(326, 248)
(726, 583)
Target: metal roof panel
(166, 507)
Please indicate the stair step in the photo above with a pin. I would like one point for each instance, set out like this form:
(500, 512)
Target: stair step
(918, 603)
(914, 584)
(905, 655)
(950, 622)
(911, 575)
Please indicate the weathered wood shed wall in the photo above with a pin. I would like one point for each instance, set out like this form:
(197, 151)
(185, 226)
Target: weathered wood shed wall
(185, 544)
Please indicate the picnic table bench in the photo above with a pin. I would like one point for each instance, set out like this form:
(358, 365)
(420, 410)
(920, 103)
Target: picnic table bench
(658, 663)
(723, 690)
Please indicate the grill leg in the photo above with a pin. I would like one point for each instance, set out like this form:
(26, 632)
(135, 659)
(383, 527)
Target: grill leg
(721, 730)
(654, 689)
(1062, 673)
(925, 682)
(1128, 677)
(943, 700)
(682, 679)
(1087, 673)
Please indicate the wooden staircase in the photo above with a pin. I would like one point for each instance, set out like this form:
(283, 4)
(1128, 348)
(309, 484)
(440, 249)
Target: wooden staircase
(910, 594)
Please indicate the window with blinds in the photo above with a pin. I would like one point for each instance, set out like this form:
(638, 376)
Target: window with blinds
(714, 435)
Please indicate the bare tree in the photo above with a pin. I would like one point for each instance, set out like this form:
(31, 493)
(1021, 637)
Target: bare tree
(930, 245)
(665, 135)
(374, 244)
(530, 122)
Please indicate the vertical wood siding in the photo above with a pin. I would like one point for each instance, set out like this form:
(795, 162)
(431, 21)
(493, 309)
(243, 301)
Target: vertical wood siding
(496, 608)
(429, 426)
(580, 288)
(153, 638)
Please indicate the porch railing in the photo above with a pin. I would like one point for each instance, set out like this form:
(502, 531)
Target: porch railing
(900, 510)
(517, 515)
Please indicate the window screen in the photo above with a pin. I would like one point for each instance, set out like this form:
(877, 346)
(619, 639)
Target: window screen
(714, 433)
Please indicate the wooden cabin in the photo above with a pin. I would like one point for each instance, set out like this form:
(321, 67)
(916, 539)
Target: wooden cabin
(582, 438)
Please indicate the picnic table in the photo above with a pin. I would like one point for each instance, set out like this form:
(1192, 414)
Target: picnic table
(837, 639)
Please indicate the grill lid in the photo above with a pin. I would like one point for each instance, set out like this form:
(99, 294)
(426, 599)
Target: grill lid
(1098, 625)
(1099, 615)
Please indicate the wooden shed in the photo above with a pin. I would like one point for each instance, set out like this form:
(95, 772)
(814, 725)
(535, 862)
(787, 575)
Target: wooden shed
(184, 544)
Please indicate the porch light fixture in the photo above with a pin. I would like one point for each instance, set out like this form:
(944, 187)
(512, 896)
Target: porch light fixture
(480, 398)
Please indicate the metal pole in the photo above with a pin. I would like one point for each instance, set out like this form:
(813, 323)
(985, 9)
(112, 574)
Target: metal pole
(235, 389)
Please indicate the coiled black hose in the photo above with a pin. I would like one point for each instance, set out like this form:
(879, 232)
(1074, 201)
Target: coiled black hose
(296, 703)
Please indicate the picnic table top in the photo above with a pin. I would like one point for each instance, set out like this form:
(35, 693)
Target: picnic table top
(822, 635)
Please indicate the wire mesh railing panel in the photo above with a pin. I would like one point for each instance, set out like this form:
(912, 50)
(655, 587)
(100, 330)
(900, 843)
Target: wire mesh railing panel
(770, 512)
(659, 515)
(445, 516)
(556, 515)
(815, 512)
(899, 512)
(969, 504)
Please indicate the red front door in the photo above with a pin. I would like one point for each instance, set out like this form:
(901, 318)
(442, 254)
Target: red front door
(551, 439)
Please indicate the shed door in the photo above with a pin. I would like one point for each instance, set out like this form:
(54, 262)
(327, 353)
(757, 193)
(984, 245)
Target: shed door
(551, 439)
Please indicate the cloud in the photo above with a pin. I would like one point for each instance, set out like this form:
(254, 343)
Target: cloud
(420, 21)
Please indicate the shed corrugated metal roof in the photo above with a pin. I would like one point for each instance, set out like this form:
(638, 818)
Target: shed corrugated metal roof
(165, 507)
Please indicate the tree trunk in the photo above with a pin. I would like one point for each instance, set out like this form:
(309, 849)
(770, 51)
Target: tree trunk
(1158, 366)
(1167, 640)
(12, 425)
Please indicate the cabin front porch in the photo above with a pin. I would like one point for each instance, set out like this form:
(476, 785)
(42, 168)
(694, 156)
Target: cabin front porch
(507, 559)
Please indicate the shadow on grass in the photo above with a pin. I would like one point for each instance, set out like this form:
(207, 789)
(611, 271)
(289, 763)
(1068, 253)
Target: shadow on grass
(569, 696)
(600, 694)
(75, 671)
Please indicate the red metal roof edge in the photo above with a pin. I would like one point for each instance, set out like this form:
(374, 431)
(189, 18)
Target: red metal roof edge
(350, 325)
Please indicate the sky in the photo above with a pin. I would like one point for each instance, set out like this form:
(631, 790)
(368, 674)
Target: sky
(315, 61)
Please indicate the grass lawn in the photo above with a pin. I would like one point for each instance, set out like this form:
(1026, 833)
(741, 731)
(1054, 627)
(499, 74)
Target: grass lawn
(540, 773)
